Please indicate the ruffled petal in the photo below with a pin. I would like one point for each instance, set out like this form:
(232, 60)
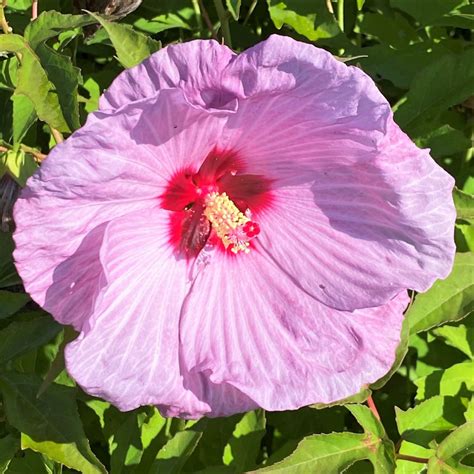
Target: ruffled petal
(128, 351)
(302, 110)
(247, 325)
(355, 236)
(114, 165)
(194, 67)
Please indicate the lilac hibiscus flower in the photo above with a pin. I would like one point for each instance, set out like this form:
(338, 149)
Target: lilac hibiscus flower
(234, 231)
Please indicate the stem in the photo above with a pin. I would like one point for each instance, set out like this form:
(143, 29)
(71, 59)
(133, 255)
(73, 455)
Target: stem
(224, 19)
(3, 21)
(251, 9)
(34, 10)
(373, 408)
(57, 135)
(406, 457)
(197, 11)
(340, 14)
(207, 20)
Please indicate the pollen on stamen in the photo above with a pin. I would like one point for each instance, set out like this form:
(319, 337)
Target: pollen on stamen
(233, 227)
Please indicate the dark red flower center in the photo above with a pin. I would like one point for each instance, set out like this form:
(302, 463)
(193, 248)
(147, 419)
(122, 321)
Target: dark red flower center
(216, 204)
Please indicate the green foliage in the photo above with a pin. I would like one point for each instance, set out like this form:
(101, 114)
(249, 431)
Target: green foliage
(447, 300)
(53, 70)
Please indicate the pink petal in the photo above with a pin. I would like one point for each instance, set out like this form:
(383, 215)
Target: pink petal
(354, 236)
(195, 67)
(128, 352)
(247, 325)
(112, 166)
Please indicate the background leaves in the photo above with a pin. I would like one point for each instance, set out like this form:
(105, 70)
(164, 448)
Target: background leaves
(52, 72)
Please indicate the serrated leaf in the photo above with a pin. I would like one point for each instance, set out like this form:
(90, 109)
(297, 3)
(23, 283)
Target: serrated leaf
(10, 302)
(66, 78)
(43, 95)
(50, 23)
(234, 8)
(454, 83)
(243, 447)
(312, 20)
(332, 454)
(24, 335)
(24, 116)
(449, 382)
(9, 445)
(131, 46)
(49, 424)
(174, 454)
(451, 451)
(461, 336)
(464, 203)
(367, 420)
(430, 418)
(447, 300)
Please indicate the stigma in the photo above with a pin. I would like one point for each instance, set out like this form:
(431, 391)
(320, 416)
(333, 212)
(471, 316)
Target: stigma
(232, 226)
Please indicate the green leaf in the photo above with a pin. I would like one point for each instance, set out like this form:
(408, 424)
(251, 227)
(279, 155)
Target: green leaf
(464, 203)
(393, 30)
(455, 380)
(174, 454)
(49, 424)
(367, 420)
(66, 78)
(242, 450)
(24, 335)
(131, 46)
(310, 19)
(427, 11)
(50, 23)
(454, 83)
(19, 165)
(10, 303)
(24, 116)
(461, 336)
(430, 418)
(161, 23)
(410, 467)
(9, 445)
(42, 92)
(451, 451)
(234, 8)
(331, 454)
(31, 463)
(447, 300)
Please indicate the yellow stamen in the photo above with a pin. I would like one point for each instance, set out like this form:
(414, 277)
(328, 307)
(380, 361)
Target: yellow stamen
(227, 221)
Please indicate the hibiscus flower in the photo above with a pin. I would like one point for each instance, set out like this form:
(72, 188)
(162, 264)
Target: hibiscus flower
(234, 231)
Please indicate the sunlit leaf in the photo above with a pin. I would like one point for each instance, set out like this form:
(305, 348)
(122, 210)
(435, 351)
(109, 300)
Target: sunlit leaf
(447, 300)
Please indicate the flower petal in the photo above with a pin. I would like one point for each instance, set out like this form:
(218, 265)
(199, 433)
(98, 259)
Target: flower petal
(112, 166)
(357, 235)
(248, 325)
(128, 352)
(195, 67)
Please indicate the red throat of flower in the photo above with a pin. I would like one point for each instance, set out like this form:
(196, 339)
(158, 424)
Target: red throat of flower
(217, 204)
